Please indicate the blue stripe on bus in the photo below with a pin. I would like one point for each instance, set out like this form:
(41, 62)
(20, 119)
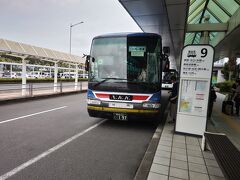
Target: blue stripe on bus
(90, 94)
(156, 97)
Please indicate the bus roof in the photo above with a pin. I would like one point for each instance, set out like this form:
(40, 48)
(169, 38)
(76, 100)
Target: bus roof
(127, 34)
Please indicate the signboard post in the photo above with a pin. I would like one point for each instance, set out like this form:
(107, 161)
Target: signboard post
(195, 81)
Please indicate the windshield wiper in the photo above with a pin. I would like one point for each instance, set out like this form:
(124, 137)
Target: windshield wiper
(106, 79)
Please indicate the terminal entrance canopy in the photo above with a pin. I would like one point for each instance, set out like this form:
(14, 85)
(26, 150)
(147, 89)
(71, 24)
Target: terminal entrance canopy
(183, 22)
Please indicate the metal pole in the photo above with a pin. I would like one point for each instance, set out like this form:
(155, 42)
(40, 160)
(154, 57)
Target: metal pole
(76, 77)
(55, 77)
(72, 25)
(24, 79)
(70, 50)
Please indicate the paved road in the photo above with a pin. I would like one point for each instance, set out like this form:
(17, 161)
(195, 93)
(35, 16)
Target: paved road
(56, 139)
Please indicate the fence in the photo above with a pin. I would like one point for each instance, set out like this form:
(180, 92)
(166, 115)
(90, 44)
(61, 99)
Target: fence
(12, 91)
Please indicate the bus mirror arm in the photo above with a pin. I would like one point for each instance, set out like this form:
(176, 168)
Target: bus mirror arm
(87, 61)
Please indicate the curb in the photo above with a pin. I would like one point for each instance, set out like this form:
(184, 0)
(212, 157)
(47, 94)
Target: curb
(22, 99)
(146, 163)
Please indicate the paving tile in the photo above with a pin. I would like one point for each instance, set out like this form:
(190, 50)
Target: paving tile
(163, 154)
(160, 169)
(194, 153)
(180, 157)
(161, 160)
(178, 141)
(179, 164)
(198, 176)
(179, 150)
(210, 162)
(168, 127)
(164, 148)
(179, 136)
(173, 178)
(193, 147)
(216, 178)
(179, 145)
(196, 160)
(155, 176)
(166, 135)
(192, 141)
(215, 171)
(191, 138)
(166, 143)
(167, 131)
(178, 173)
(166, 139)
(197, 168)
(208, 155)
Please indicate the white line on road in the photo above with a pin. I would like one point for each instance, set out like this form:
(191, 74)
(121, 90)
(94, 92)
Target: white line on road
(29, 115)
(46, 153)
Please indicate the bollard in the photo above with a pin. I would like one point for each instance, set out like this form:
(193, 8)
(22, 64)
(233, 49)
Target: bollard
(60, 86)
(31, 90)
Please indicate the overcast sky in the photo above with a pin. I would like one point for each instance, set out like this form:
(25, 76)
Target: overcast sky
(46, 23)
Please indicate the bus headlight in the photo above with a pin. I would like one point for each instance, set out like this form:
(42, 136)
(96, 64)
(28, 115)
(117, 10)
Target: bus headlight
(93, 101)
(151, 105)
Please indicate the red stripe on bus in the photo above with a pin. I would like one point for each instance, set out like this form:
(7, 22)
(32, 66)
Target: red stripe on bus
(140, 97)
(102, 95)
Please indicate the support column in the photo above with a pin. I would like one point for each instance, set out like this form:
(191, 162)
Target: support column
(24, 77)
(205, 34)
(220, 77)
(11, 71)
(76, 76)
(204, 38)
(69, 66)
(55, 77)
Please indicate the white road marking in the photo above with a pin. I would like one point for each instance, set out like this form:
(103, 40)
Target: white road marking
(29, 115)
(46, 153)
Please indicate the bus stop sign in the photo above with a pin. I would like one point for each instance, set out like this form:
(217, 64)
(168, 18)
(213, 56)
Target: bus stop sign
(194, 87)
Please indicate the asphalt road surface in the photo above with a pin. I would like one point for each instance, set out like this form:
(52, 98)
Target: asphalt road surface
(56, 139)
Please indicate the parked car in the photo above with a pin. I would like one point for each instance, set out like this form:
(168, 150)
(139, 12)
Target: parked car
(9, 75)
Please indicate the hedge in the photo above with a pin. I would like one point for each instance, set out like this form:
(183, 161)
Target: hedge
(225, 86)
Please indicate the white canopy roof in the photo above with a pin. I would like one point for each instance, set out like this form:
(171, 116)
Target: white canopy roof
(21, 49)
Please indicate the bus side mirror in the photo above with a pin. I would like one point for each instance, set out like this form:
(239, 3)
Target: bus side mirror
(165, 63)
(166, 50)
(87, 63)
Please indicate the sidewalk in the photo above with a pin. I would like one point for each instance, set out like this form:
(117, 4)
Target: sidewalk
(227, 124)
(41, 93)
(180, 156)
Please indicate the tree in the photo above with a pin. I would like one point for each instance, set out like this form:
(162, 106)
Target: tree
(232, 67)
(228, 75)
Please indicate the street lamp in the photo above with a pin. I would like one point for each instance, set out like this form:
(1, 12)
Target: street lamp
(72, 25)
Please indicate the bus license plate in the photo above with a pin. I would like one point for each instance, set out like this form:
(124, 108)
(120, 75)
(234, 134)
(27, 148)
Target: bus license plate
(120, 116)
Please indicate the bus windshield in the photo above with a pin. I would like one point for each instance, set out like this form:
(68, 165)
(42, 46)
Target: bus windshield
(125, 59)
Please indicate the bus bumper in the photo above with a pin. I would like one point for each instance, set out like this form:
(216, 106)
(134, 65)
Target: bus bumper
(107, 112)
